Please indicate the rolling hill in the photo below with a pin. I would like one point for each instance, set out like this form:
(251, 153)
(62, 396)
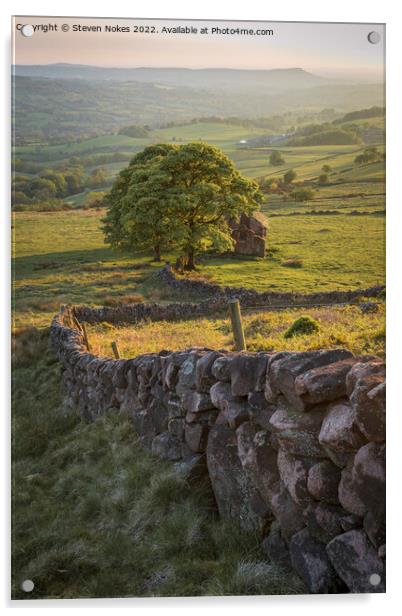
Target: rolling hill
(64, 103)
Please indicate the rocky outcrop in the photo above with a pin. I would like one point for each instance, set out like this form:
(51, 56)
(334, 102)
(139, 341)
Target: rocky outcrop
(293, 444)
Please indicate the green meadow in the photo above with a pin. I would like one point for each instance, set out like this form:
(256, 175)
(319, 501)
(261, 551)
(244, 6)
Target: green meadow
(61, 258)
(252, 161)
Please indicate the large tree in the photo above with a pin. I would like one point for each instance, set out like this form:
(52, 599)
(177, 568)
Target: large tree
(207, 191)
(179, 196)
(138, 216)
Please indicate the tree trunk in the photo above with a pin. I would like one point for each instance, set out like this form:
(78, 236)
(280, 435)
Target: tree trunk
(190, 265)
(157, 251)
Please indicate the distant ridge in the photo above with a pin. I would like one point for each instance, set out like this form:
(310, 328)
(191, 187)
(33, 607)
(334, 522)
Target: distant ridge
(277, 79)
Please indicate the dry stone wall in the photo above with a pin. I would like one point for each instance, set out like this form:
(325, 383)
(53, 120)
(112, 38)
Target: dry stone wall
(215, 298)
(250, 297)
(292, 443)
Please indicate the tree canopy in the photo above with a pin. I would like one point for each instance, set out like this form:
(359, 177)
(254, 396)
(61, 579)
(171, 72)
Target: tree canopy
(179, 197)
(276, 159)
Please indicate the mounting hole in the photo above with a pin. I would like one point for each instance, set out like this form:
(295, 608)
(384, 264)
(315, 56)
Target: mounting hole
(374, 579)
(27, 585)
(374, 37)
(27, 30)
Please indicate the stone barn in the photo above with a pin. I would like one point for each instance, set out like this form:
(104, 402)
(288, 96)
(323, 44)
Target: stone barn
(250, 234)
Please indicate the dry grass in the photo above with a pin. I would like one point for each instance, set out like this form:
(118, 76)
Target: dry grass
(343, 326)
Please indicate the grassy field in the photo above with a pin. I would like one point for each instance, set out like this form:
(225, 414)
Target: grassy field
(61, 258)
(333, 251)
(345, 326)
(252, 161)
(307, 161)
(224, 135)
(97, 144)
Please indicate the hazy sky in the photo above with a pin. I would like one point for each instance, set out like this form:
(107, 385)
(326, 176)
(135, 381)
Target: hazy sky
(334, 50)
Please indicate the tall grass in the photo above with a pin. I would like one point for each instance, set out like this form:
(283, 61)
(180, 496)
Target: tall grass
(94, 515)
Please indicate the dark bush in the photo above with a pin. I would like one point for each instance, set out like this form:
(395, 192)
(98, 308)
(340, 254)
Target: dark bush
(302, 326)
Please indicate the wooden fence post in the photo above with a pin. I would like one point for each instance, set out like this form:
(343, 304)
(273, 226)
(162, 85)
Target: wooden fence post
(115, 350)
(68, 313)
(235, 317)
(84, 331)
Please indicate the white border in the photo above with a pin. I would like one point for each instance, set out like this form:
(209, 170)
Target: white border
(387, 11)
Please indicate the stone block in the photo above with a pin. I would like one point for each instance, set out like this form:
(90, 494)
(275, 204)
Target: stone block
(323, 384)
(297, 433)
(276, 548)
(196, 435)
(339, 431)
(259, 410)
(323, 481)
(230, 482)
(356, 562)
(311, 562)
(282, 372)
(293, 472)
(247, 373)
(203, 375)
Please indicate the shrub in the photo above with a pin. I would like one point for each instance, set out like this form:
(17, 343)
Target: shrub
(134, 130)
(370, 155)
(289, 176)
(302, 326)
(304, 194)
(295, 262)
(323, 179)
(269, 184)
(276, 158)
